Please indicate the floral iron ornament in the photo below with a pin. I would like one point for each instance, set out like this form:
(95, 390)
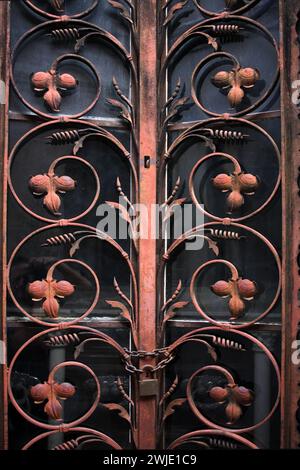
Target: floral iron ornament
(237, 184)
(236, 397)
(238, 289)
(53, 392)
(236, 80)
(51, 184)
(52, 85)
(48, 290)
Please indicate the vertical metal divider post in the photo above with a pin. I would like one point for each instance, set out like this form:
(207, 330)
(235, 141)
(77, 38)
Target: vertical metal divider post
(289, 62)
(4, 104)
(147, 20)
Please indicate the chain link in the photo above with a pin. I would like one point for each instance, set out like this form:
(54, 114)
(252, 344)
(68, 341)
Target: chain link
(148, 368)
(142, 354)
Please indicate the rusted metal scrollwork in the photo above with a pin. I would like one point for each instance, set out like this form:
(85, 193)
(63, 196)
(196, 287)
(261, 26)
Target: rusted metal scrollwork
(232, 398)
(219, 393)
(50, 185)
(238, 184)
(230, 6)
(46, 195)
(240, 78)
(215, 391)
(212, 439)
(58, 8)
(237, 289)
(52, 88)
(86, 436)
(51, 84)
(209, 134)
(53, 392)
(48, 290)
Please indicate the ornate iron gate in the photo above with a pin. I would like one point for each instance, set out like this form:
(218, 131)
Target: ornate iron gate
(185, 340)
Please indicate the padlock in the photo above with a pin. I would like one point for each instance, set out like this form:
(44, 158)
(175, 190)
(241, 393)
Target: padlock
(148, 387)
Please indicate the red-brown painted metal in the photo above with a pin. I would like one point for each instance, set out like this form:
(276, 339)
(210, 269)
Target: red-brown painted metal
(4, 106)
(207, 34)
(147, 14)
(88, 436)
(142, 117)
(289, 60)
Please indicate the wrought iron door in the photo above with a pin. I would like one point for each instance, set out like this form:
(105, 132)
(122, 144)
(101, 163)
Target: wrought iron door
(184, 341)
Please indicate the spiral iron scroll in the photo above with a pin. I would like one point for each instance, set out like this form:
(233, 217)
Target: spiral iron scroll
(43, 94)
(231, 129)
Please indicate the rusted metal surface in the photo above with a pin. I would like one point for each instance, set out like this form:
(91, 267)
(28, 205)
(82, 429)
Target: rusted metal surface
(53, 392)
(148, 115)
(69, 235)
(58, 9)
(4, 77)
(86, 436)
(147, 14)
(291, 221)
(214, 440)
(80, 33)
(237, 397)
(68, 134)
(212, 34)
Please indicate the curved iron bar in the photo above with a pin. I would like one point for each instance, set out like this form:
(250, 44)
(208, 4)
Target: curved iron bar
(51, 171)
(199, 131)
(70, 136)
(64, 427)
(115, 43)
(90, 232)
(49, 276)
(229, 10)
(209, 434)
(71, 30)
(75, 442)
(229, 56)
(61, 425)
(108, 136)
(53, 69)
(208, 25)
(240, 334)
(47, 14)
(237, 169)
(200, 231)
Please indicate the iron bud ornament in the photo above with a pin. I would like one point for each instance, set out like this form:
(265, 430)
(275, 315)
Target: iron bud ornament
(236, 80)
(236, 185)
(47, 290)
(53, 392)
(52, 85)
(235, 396)
(238, 290)
(51, 184)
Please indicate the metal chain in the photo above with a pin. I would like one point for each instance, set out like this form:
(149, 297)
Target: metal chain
(148, 368)
(142, 354)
